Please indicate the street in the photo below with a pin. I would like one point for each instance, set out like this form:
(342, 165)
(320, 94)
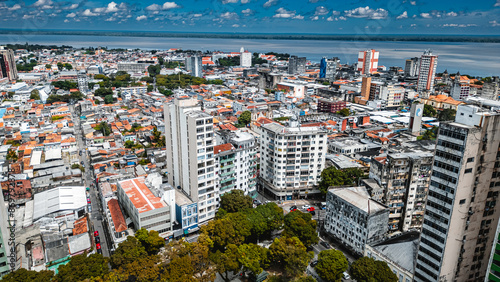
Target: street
(96, 214)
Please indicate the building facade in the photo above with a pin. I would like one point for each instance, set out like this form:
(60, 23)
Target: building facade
(461, 207)
(368, 61)
(327, 106)
(4, 238)
(354, 219)
(427, 71)
(296, 65)
(194, 65)
(8, 67)
(291, 160)
(460, 88)
(412, 67)
(190, 141)
(328, 68)
(245, 58)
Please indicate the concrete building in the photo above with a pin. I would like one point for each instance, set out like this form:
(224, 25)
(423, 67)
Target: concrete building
(292, 159)
(296, 65)
(194, 65)
(83, 83)
(328, 68)
(416, 112)
(368, 61)
(8, 67)
(354, 219)
(405, 178)
(326, 106)
(132, 66)
(491, 90)
(4, 238)
(190, 158)
(268, 79)
(63, 203)
(186, 212)
(412, 67)
(147, 207)
(460, 88)
(427, 71)
(493, 273)
(237, 163)
(366, 82)
(460, 211)
(245, 58)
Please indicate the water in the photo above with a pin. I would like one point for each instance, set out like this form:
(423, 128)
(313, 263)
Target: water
(476, 59)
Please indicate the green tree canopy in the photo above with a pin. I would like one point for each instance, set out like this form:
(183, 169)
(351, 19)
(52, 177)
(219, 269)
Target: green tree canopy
(82, 267)
(339, 177)
(28, 275)
(235, 201)
(108, 99)
(234, 228)
(103, 92)
(331, 265)
(253, 258)
(447, 114)
(35, 94)
(48, 66)
(367, 269)
(154, 70)
(302, 226)
(151, 241)
(68, 66)
(12, 155)
(290, 255)
(344, 112)
(429, 111)
(227, 262)
(245, 118)
(127, 252)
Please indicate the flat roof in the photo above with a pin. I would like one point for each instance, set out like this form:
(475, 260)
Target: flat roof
(36, 157)
(59, 199)
(142, 198)
(358, 197)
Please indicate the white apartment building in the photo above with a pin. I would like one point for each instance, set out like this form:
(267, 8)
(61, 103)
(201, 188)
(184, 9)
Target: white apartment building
(291, 160)
(245, 58)
(190, 154)
(427, 71)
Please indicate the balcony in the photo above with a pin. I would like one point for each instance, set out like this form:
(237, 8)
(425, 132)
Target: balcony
(227, 187)
(227, 166)
(226, 174)
(227, 180)
(226, 160)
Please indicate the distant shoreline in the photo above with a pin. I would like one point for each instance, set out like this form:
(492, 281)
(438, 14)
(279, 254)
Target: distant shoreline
(338, 37)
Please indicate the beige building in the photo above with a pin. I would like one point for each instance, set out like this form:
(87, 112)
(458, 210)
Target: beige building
(461, 214)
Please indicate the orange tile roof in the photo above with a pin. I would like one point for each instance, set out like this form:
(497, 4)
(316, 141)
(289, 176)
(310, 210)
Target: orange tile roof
(116, 215)
(223, 148)
(80, 226)
(140, 195)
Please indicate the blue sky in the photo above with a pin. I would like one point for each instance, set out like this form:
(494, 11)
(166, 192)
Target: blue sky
(258, 16)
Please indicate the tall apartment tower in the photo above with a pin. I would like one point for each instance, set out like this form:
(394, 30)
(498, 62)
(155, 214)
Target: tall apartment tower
(83, 84)
(493, 273)
(368, 61)
(8, 67)
(427, 71)
(328, 68)
(245, 58)
(461, 214)
(460, 88)
(4, 238)
(416, 112)
(296, 65)
(412, 67)
(366, 82)
(193, 65)
(190, 140)
(291, 160)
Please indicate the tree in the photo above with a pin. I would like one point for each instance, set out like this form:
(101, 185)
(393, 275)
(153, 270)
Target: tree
(339, 177)
(145, 268)
(344, 112)
(68, 66)
(305, 279)
(227, 262)
(289, 254)
(429, 134)
(368, 269)
(127, 252)
(158, 138)
(129, 144)
(154, 70)
(151, 241)
(108, 99)
(235, 201)
(253, 258)
(245, 118)
(272, 214)
(331, 265)
(48, 66)
(429, 111)
(447, 114)
(301, 225)
(12, 155)
(103, 92)
(104, 127)
(35, 94)
(28, 275)
(234, 228)
(81, 267)
(180, 269)
(60, 65)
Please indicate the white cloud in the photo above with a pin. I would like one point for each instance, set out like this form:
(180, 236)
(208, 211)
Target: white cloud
(451, 14)
(15, 7)
(298, 17)
(494, 23)
(73, 6)
(112, 8)
(321, 10)
(140, 18)
(153, 7)
(414, 3)
(367, 12)
(270, 3)
(43, 3)
(229, 16)
(248, 11)
(245, 1)
(25, 17)
(89, 13)
(169, 5)
(235, 25)
(335, 13)
(425, 15)
(413, 25)
(66, 21)
(315, 18)
(110, 19)
(284, 13)
(497, 4)
(197, 15)
(404, 15)
(71, 15)
(332, 18)
(229, 1)
(458, 25)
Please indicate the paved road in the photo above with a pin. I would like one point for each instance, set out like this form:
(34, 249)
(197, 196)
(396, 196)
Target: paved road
(96, 215)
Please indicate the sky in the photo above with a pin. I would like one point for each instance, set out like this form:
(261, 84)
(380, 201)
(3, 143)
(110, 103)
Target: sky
(370, 17)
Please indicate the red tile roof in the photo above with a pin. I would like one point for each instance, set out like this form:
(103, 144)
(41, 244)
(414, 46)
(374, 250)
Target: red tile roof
(117, 216)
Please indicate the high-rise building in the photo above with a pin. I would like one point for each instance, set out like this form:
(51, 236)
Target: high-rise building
(193, 65)
(416, 111)
(427, 71)
(4, 238)
(83, 84)
(189, 138)
(328, 68)
(245, 58)
(493, 273)
(291, 160)
(8, 67)
(461, 213)
(491, 90)
(368, 61)
(405, 179)
(296, 65)
(460, 87)
(366, 82)
(412, 67)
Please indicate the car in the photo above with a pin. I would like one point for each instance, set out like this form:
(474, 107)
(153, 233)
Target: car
(88, 188)
(325, 244)
(346, 275)
(99, 251)
(293, 208)
(311, 209)
(314, 263)
(96, 233)
(257, 202)
(312, 212)
(81, 162)
(305, 207)
(97, 239)
(98, 246)
(88, 201)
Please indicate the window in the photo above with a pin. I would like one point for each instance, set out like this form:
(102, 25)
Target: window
(469, 160)
(462, 201)
(469, 170)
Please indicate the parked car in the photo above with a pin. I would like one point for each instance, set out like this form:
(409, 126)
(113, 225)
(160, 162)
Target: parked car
(292, 208)
(97, 239)
(96, 233)
(311, 209)
(305, 207)
(312, 212)
(99, 251)
(98, 246)
(325, 244)
(257, 202)
(346, 275)
(314, 263)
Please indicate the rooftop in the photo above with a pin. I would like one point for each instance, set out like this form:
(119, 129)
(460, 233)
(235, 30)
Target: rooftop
(358, 197)
(140, 195)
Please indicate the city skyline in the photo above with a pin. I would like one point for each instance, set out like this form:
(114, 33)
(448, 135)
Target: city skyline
(252, 16)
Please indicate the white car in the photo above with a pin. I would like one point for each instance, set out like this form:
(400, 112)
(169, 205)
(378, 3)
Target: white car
(305, 207)
(346, 275)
